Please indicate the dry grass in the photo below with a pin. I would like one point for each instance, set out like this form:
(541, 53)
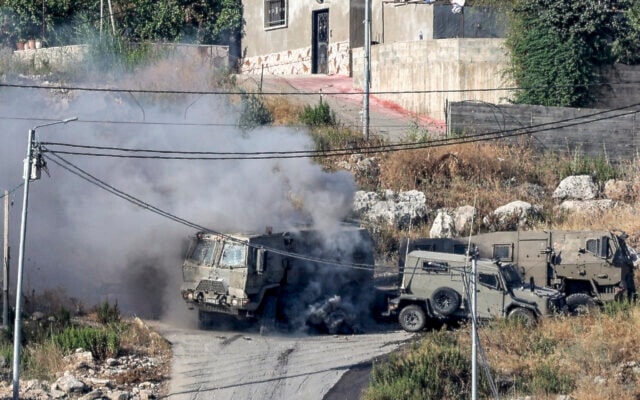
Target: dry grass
(139, 338)
(590, 349)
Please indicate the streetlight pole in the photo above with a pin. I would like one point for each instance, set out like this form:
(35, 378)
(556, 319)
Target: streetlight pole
(28, 170)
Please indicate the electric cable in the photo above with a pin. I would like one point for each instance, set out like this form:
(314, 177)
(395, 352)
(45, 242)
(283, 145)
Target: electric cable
(343, 151)
(75, 170)
(9, 192)
(263, 93)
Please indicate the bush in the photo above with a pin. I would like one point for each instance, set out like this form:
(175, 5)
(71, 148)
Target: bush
(100, 342)
(320, 115)
(108, 314)
(254, 112)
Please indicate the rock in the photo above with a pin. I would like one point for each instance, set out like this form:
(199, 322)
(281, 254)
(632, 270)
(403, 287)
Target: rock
(592, 207)
(146, 395)
(57, 394)
(598, 380)
(93, 395)
(397, 209)
(618, 190)
(70, 384)
(119, 395)
(463, 217)
(518, 213)
(443, 225)
(579, 187)
(112, 362)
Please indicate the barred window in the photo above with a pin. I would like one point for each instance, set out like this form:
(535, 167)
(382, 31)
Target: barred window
(275, 13)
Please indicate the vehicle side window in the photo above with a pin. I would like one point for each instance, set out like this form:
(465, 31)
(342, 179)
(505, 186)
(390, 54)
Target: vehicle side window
(433, 267)
(489, 280)
(459, 249)
(599, 247)
(502, 252)
(233, 255)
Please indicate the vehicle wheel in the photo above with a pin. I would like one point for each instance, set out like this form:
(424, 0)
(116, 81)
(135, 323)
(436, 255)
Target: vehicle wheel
(445, 301)
(268, 316)
(580, 304)
(336, 322)
(412, 318)
(523, 315)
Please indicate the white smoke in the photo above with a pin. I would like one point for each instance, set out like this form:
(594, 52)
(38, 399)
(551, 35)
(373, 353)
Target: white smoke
(91, 242)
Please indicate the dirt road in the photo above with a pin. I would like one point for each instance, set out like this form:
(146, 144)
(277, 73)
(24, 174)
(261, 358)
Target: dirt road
(241, 364)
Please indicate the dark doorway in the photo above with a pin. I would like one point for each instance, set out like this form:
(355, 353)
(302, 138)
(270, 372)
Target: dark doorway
(320, 45)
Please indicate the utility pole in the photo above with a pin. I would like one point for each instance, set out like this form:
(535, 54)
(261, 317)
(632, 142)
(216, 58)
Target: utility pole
(113, 24)
(5, 265)
(101, 16)
(367, 68)
(32, 165)
(474, 326)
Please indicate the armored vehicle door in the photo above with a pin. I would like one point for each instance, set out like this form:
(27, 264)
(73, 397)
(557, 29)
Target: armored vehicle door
(587, 256)
(490, 295)
(532, 256)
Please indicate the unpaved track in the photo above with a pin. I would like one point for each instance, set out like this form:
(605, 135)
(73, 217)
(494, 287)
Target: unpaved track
(232, 364)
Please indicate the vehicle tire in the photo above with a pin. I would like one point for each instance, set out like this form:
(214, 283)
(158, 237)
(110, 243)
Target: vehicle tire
(523, 315)
(268, 315)
(412, 318)
(445, 301)
(580, 304)
(337, 322)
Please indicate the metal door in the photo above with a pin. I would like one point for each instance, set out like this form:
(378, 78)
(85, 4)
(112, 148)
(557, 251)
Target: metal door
(320, 45)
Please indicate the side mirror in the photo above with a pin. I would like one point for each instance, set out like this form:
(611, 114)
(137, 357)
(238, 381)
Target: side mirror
(532, 283)
(260, 256)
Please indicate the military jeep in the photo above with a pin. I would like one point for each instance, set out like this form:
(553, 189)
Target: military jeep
(436, 286)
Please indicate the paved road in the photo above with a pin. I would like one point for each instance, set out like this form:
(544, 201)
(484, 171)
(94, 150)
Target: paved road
(387, 119)
(241, 364)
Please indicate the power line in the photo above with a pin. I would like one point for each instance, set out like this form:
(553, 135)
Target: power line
(194, 124)
(79, 172)
(212, 156)
(228, 92)
(12, 190)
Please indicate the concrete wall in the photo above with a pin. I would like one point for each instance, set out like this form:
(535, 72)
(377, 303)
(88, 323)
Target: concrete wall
(400, 22)
(63, 56)
(623, 88)
(422, 68)
(592, 132)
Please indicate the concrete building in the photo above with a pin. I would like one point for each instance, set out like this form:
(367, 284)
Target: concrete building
(318, 36)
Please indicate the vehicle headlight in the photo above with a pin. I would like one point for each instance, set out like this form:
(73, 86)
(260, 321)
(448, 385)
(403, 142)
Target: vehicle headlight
(234, 302)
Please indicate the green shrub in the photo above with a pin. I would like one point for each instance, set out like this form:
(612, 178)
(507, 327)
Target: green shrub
(439, 369)
(319, 115)
(254, 112)
(102, 343)
(598, 167)
(108, 314)
(548, 379)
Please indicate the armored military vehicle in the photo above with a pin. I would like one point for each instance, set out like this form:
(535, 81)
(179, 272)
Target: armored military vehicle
(299, 278)
(589, 267)
(437, 286)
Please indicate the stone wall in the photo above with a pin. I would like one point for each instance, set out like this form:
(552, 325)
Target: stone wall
(298, 61)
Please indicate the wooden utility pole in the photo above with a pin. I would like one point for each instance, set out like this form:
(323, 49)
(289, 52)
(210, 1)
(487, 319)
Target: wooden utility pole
(5, 265)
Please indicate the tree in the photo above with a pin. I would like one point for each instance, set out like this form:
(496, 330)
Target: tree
(558, 47)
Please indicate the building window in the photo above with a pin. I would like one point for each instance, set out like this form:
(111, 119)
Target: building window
(275, 13)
